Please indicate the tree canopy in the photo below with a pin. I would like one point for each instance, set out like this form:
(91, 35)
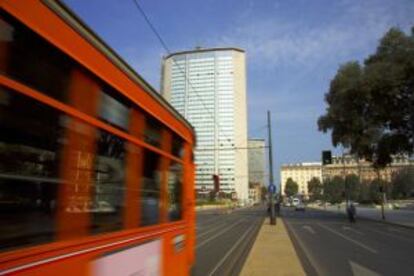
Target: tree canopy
(403, 183)
(315, 188)
(371, 106)
(333, 190)
(352, 186)
(291, 187)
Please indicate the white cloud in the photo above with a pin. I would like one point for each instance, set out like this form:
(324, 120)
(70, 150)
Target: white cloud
(275, 42)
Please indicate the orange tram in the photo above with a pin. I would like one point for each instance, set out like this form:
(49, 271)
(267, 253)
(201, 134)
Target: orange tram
(96, 169)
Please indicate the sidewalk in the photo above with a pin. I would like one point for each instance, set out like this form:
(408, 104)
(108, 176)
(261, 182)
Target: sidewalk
(272, 253)
(399, 217)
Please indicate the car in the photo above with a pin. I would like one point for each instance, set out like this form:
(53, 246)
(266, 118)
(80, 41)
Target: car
(295, 202)
(300, 207)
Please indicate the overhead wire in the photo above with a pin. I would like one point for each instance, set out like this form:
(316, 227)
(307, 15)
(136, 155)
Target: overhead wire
(166, 48)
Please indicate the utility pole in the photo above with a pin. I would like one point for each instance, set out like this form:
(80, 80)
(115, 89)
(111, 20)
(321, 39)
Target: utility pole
(272, 187)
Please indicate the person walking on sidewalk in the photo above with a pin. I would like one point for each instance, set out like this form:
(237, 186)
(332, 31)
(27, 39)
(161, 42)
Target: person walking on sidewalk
(351, 211)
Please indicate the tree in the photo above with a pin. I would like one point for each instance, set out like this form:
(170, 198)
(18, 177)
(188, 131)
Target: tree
(291, 187)
(352, 186)
(263, 192)
(371, 107)
(364, 193)
(403, 184)
(377, 186)
(315, 188)
(333, 190)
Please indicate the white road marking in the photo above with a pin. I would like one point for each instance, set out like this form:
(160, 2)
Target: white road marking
(360, 270)
(347, 228)
(231, 250)
(349, 239)
(219, 233)
(309, 228)
(319, 270)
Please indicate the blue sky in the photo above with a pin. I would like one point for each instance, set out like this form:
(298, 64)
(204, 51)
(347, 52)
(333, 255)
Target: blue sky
(293, 51)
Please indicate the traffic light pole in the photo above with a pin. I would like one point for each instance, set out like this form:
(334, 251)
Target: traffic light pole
(270, 192)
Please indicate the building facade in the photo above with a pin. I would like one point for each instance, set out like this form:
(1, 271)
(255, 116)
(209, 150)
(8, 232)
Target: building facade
(255, 193)
(342, 166)
(208, 87)
(256, 155)
(301, 173)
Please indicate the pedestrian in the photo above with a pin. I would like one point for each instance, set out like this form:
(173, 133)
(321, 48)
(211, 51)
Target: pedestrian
(277, 208)
(351, 211)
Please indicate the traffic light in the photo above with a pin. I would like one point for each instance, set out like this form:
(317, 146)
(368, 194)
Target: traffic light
(326, 157)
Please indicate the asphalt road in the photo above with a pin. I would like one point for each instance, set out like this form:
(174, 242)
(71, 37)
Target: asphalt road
(225, 239)
(328, 244)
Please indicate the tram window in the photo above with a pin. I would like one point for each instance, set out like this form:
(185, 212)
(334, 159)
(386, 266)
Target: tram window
(152, 133)
(39, 65)
(175, 175)
(177, 146)
(109, 189)
(30, 140)
(150, 194)
(114, 109)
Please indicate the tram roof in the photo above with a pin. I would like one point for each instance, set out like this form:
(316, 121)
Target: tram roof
(76, 23)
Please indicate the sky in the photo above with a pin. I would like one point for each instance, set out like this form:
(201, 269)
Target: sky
(293, 50)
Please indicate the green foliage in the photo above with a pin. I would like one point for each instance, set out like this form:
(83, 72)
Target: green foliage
(403, 184)
(333, 190)
(364, 193)
(263, 192)
(315, 189)
(291, 187)
(370, 107)
(375, 188)
(352, 186)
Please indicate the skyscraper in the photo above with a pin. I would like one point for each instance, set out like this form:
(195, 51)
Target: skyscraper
(208, 87)
(256, 154)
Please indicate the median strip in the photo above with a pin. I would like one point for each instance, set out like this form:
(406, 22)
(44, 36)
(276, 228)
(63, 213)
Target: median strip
(272, 253)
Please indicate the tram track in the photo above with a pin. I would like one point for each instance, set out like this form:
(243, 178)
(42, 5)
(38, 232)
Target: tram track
(222, 249)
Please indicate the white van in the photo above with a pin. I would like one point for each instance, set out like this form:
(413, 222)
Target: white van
(295, 202)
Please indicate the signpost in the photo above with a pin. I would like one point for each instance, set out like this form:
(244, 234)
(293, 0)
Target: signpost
(272, 189)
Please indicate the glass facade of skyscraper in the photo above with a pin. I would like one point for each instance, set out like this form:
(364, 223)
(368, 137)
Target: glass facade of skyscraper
(202, 87)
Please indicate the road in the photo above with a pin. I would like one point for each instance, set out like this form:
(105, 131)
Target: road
(405, 217)
(328, 244)
(224, 240)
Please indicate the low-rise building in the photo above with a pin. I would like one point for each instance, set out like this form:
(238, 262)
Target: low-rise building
(348, 164)
(301, 173)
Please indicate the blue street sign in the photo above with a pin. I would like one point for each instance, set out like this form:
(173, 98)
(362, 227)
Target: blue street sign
(272, 189)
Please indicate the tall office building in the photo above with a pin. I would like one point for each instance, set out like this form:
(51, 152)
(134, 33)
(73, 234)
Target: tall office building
(208, 87)
(256, 154)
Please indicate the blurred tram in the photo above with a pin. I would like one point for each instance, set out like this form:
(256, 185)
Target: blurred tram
(96, 169)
